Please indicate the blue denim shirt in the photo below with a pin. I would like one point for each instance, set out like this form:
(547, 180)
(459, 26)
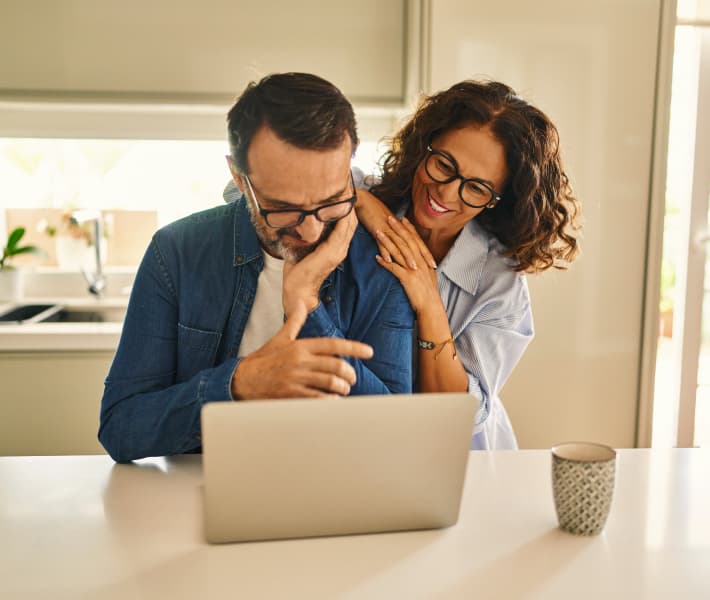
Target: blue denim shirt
(187, 313)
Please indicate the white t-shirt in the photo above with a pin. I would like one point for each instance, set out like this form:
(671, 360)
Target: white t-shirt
(267, 313)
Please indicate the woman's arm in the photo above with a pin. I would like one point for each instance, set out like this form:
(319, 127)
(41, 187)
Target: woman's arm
(439, 367)
(373, 215)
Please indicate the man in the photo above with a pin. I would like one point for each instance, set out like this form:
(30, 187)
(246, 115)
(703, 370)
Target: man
(274, 295)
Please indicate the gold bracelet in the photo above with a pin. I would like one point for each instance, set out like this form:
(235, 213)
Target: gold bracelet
(427, 345)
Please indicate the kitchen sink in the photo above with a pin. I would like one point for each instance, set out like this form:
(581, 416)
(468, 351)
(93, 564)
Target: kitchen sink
(28, 313)
(83, 314)
(22, 314)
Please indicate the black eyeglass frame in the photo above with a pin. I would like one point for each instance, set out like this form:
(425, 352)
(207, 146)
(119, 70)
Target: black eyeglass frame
(495, 196)
(303, 213)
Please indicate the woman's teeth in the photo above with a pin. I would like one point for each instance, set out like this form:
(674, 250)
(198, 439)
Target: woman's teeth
(435, 206)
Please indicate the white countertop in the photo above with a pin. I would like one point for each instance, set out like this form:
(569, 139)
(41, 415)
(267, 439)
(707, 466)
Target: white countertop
(63, 336)
(82, 527)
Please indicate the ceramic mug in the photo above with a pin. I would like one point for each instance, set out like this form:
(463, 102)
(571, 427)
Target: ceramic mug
(583, 475)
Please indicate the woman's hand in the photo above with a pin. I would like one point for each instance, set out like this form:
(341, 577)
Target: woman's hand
(409, 260)
(373, 215)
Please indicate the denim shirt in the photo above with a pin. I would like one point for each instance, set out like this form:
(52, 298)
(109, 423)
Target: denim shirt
(187, 313)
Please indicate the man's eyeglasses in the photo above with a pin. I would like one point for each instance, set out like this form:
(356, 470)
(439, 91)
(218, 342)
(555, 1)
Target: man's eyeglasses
(279, 219)
(473, 192)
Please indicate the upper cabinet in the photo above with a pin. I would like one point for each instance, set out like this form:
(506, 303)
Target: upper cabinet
(201, 52)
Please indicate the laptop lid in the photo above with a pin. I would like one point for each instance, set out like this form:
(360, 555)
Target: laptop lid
(312, 467)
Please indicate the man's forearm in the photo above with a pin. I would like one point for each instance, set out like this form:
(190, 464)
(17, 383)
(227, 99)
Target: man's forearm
(136, 422)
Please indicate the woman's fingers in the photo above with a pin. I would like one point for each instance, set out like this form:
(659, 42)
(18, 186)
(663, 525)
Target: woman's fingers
(383, 249)
(397, 270)
(404, 244)
(426, 255)
(397, 249)
(407, 232)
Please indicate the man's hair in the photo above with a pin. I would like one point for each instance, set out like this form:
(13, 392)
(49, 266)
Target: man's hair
(302, 109)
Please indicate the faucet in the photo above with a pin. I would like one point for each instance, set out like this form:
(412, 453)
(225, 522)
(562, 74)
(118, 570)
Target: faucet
(95, 280)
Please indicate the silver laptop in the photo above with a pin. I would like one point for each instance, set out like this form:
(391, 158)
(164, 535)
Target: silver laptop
(362, 464)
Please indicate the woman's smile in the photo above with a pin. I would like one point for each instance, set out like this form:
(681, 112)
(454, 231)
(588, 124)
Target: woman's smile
(433, 207)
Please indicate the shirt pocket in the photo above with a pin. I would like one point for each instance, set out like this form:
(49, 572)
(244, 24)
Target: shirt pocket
(197, 350)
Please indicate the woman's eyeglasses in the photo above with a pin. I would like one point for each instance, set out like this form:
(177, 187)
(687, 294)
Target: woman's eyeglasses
(473, 192)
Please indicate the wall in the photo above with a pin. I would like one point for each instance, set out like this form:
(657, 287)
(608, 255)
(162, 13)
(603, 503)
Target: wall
(127, 233)
(591, 67)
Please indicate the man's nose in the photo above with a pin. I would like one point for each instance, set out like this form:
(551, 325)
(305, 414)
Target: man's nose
(310, 230)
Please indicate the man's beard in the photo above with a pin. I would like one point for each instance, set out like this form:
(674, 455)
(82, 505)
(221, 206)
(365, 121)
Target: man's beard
(272, 240)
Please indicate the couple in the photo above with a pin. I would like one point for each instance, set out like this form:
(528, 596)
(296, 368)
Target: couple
(281, 293)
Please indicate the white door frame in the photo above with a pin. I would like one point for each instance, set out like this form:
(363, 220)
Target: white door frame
(692, 277)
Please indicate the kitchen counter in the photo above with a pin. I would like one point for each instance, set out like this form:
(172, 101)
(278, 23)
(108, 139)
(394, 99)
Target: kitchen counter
(88, 336)
(68, 288)
(84, 527)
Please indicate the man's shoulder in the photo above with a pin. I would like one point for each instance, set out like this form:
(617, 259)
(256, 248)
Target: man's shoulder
(363, 247)
(361, 263)
(203, 218)
(204, 225)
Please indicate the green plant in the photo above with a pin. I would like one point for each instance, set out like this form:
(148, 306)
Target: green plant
(13, 248)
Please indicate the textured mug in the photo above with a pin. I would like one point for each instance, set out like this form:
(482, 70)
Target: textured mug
(583, 485)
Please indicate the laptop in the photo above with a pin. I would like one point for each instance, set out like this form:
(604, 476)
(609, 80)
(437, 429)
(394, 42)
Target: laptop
(277, 469)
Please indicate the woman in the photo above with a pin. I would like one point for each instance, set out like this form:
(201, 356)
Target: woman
(477, 180)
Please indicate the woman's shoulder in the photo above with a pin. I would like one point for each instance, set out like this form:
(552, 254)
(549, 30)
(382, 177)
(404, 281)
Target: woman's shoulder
(477, 263)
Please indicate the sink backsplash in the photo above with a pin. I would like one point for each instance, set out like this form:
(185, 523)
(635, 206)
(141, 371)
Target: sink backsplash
(129, 234)
(52, 283)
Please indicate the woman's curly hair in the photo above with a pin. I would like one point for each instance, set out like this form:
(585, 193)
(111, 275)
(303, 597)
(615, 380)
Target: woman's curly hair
(537, 217)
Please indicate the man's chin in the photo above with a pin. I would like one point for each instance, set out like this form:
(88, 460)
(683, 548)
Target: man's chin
(296, 253)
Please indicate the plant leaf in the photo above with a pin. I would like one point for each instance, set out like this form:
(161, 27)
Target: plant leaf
(14, 238)
(25, 250)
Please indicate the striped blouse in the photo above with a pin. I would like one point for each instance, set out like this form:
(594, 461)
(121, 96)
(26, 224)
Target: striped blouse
(488, 305)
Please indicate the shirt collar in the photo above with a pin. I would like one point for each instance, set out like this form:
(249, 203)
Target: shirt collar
(466, 259)
(231, 192)
(246, 244)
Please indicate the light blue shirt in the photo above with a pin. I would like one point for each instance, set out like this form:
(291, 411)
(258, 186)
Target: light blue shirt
(488, 305)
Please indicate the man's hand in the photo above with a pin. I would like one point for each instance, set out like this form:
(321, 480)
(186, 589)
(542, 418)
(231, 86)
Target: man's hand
(302, 280)
(286, 367)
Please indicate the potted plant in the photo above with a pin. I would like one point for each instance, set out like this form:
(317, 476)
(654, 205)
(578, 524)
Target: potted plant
(10, 285)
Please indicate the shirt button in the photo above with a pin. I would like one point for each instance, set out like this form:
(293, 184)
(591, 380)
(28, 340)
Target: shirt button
(240, 259)
(327, 298)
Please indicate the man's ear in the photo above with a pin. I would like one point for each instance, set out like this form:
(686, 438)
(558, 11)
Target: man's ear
(236, 175)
